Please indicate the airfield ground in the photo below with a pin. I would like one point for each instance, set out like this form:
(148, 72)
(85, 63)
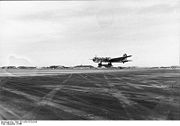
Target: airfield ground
(90, 95)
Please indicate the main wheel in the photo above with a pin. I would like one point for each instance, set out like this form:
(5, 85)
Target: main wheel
(110, 64)
(100, 65)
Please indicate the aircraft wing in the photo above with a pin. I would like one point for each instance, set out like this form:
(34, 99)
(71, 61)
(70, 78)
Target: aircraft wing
(117, 59)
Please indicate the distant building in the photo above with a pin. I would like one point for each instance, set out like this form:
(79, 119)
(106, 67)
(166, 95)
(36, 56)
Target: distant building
(154, 67)
(162, 67)
(43, 68)
(83, 67)
(26, 67)
(174, 67)
(56, 67)
(8, 67)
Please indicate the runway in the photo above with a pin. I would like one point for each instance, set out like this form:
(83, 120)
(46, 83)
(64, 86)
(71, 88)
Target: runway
(91, 95)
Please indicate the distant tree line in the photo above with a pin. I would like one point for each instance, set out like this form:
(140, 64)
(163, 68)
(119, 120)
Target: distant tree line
(48, 67)
(82, 67)
(19, 67)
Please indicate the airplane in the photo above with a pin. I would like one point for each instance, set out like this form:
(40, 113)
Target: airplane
(110, 60)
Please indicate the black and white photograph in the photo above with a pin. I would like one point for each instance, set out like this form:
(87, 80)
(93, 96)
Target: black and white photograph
(96, 60)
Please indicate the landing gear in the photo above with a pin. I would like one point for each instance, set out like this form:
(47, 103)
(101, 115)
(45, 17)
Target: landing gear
(105, 65)
(100, 64)
(110, 64)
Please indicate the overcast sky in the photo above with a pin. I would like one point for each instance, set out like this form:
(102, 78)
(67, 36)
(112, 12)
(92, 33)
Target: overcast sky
(72, 32)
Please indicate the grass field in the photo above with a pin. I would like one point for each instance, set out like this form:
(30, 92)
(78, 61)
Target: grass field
(87, 95)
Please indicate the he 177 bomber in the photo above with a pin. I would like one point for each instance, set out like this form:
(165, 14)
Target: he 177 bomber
(110, 60)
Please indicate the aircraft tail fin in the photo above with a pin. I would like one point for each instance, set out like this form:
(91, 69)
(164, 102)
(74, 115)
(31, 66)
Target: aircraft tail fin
(124, 55)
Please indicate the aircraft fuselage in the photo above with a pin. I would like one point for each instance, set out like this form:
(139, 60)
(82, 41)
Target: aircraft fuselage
(109, 60)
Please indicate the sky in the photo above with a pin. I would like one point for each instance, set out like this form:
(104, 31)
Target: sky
(43, 33)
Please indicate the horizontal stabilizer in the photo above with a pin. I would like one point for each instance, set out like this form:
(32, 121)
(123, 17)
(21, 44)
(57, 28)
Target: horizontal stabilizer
(126, 61)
